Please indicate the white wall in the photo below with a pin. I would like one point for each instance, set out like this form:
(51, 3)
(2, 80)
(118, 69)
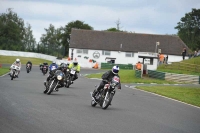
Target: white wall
(31, 54)
(27, 54)
(120, 58)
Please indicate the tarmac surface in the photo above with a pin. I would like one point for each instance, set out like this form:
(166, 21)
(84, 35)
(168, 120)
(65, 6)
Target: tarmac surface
(25, 109)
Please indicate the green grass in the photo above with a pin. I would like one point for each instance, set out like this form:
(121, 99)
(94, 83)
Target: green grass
(128, 76)
(11, 59)
(190, 95)
(192, 61)
(4, 70)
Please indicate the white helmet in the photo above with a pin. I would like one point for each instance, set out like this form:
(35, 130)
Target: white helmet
(54, 62)
(115, 69)
(17, 60)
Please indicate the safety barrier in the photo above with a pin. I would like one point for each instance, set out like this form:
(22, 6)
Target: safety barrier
(138, 73)
(121, 66)
(182, 78)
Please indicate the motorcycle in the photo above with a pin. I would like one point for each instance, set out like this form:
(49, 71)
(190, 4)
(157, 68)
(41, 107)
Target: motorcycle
(44, 69)
(105, 95)
(70, 76)
(14, 72)
(55, 82)
(28, 69)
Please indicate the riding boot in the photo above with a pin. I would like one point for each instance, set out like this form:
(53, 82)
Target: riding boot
(94, 93)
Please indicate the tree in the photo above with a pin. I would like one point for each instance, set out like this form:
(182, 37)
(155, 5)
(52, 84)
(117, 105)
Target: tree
(52, 41)
(113, 29)
(67, 32)
(189, 29)
(28, 41)
(13, 33)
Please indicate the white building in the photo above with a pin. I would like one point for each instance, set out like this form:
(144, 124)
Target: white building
(121, 47)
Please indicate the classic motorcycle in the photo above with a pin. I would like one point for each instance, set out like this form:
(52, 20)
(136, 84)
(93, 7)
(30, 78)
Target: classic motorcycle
(28, 69)
(55, 82)
(105, 95)
(14, 71)
(70, 75)
(44, 69)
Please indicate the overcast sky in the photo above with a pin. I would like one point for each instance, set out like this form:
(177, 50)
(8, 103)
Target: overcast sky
(139, 16)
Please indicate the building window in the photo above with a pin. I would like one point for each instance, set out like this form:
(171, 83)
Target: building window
(129, 54)
(85, 51)
(79, 51)
(105, 52)
(82, 51)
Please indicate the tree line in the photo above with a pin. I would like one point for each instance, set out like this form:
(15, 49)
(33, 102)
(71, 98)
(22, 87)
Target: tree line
(18, 36)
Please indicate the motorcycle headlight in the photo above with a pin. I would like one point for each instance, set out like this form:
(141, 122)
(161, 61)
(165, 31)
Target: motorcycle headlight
(67, 69)
(59, 77)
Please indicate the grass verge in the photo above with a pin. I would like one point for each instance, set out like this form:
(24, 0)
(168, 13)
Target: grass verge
(128, 76)
(4, 70)
(184, 68)
(24, 60)
(187, 94)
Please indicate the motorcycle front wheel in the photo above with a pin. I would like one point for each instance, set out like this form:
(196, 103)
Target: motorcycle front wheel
(12, 76)
(93, 103)
(107, 100)
(51, 87)
(68, 82)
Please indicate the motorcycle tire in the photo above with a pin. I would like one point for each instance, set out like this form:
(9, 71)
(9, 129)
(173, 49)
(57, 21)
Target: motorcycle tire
(12, 76)
(51, 87)
(107, 100)
(93, 103)
(68, 82)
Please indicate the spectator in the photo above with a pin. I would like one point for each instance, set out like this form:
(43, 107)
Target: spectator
(184, 53)
(166, 59)
(161, 58)
(195, 53)
(138, 66)
(198, 53)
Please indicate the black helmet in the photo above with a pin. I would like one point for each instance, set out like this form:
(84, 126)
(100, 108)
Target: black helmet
(75, 63)
(64, 66)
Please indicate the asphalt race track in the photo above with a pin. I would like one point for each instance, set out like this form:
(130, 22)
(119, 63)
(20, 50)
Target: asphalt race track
(25, 109)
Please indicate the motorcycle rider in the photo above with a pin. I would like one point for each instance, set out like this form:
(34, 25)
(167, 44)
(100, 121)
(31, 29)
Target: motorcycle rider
(53, 66)
(63, 68)
(107, 77)
(17, 63)
(76, 67)
(42, 65)
(29, 62)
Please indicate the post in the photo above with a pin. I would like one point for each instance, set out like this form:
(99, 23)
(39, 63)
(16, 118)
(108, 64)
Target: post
(157, 43)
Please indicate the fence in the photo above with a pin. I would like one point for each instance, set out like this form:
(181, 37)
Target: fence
(121, 66)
